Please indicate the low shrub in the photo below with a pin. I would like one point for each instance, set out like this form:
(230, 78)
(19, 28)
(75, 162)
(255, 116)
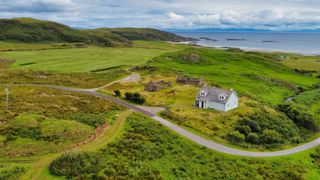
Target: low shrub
(236, 137)
(135, 98)
(253, 138)
(169, 115)
(25, 132)
(243, 129)
(89, 119)
(12, 173)
(267, 130)
(271, 137)
(299, 117)
(316, 157)
(74, 164)
(10, 137)
(253, 125)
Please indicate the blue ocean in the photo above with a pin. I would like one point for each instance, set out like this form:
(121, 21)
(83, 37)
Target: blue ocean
(299, 42)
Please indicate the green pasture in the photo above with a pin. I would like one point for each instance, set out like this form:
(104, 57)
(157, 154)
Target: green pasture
(87, 59)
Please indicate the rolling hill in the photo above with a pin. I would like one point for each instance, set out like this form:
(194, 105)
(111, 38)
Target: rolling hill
(146, 34)
(33, 30)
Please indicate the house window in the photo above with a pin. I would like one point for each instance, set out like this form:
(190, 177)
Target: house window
(222, 97)
(203, 93)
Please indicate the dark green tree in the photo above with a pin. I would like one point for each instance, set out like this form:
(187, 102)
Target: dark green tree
(117, 93)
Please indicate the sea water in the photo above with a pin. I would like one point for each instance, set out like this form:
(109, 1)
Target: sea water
(299, 42)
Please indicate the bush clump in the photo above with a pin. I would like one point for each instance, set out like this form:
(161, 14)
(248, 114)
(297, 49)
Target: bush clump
(135, 98)
(117, 93)
(89, 119)
(271, 136)
(74, 164)
(265, 130)
(253, 138)
(190, 57)
(300, 117)
(316, 157)
(236, 137)
(12, 173)
(25, 132)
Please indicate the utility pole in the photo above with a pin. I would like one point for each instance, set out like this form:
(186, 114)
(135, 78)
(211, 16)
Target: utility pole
(7, 98)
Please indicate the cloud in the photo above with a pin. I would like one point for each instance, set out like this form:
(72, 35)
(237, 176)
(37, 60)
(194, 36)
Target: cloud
(36, 6)
(273, 19)
(208, 19)
(57, 2)
(175, 17)
(267, 14)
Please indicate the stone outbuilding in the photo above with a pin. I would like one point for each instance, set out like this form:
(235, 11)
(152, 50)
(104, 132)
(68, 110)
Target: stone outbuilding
(157, 86)
(191, 81)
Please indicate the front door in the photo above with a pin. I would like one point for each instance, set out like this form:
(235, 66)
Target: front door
(197, 104)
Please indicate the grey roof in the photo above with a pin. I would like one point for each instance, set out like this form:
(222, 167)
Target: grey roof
(213, 93)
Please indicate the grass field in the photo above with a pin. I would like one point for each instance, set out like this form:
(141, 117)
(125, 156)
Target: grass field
(311, 101)
(19, 46)
(309, 63)
(87, 59)
(81, 80)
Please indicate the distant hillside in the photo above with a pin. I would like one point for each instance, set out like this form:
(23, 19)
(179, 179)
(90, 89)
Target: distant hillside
(146, 34)
(33, 30)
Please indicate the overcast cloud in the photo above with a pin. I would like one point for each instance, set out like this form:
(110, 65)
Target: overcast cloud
(257, 14)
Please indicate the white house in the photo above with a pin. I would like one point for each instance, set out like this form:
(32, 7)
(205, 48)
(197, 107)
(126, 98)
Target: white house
(216, 98)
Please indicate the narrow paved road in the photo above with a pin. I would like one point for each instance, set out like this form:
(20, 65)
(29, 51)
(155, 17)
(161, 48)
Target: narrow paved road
(193, 137)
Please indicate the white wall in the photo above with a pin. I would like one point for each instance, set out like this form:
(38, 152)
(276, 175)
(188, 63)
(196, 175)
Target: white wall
(217, 106)
(232, 102)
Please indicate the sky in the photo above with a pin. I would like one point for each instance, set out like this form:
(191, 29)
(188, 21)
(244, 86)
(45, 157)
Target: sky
(275, 15)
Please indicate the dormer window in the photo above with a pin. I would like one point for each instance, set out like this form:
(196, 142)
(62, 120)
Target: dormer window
(203, 93)
(222, 97)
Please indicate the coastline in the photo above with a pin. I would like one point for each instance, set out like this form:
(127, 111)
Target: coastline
(248, 49)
